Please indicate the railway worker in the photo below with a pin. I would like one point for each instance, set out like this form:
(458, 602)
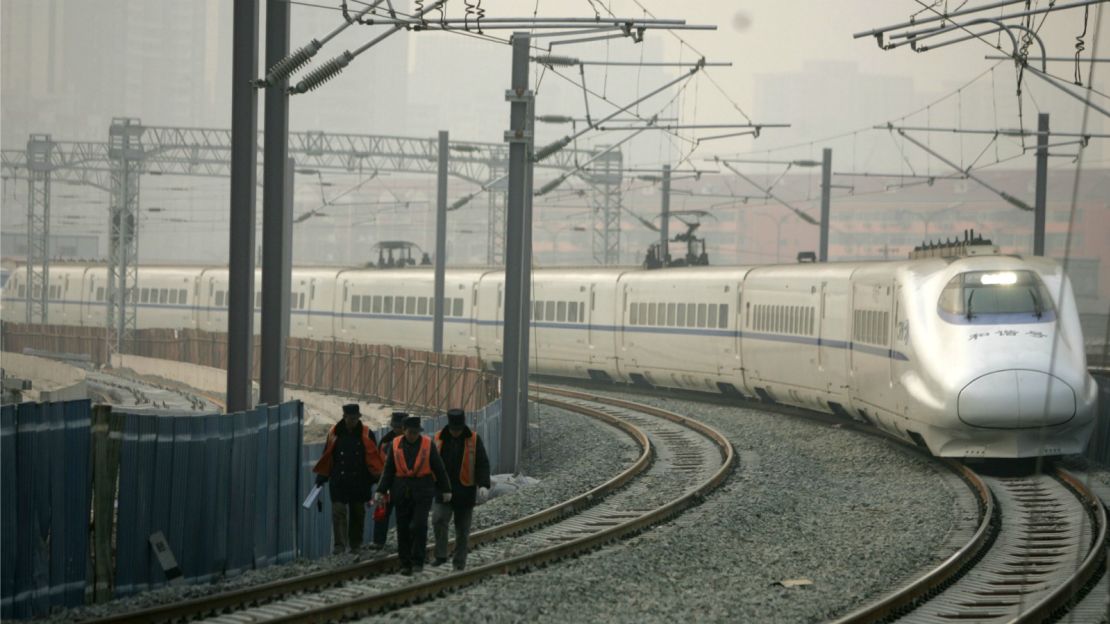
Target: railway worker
(413, 476)
(467, 464)
(381, 519)
(351, 463)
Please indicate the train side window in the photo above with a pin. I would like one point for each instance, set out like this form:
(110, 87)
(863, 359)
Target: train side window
(356, 304)
(701, 315)
(99, 292)
(793, 320)
(422, 306)
(134, 295)
(661, 313)
(365, 305)
(722, 319)
(711, 319)
(388, 309)
(182, 296)
(670, 315)
(651, 314)
(145, 295)
(643, 313)
(457, 304)
(549, 310)
(886, 328)
(173, 296)
(582, 311)
(410, 305)
(633, 314)
(680, 317)
(561, 312)
(219, 298)
(376, 304)
(572, 312)
(301, 302)
(537, 310)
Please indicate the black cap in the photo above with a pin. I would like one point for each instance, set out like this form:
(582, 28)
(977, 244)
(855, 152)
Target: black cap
(351, 408)
(456, 416)
(413, 422)
(398, 418)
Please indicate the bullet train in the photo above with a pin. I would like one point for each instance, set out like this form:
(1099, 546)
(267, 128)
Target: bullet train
(978, 355)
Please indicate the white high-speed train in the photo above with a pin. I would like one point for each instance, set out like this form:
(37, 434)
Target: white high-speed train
(978, 356)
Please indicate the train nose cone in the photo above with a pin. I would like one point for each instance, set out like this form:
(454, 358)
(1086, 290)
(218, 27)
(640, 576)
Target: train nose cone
(1015, 399)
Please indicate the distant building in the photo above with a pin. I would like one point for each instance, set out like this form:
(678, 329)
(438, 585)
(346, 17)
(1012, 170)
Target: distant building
(65, 246)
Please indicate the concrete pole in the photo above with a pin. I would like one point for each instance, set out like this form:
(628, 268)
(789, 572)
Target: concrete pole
(244, 137)
(277, 257)
(665, 218)
(441, 243)
(526, 276)
(826, 200)
(1040, 206)
(514, 367)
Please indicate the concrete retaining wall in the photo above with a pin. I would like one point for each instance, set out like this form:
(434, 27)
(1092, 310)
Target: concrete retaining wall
(50, 380)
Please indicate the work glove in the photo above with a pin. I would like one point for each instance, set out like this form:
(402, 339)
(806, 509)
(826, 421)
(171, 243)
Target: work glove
(321, 479)
(447, 497)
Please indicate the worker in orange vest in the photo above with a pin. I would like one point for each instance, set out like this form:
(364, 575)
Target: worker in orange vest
(414, 475)
(352, 463)
(467, 464)
(381, 515)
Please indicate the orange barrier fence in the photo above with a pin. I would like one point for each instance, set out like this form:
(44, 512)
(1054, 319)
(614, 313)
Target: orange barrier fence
(404, 377)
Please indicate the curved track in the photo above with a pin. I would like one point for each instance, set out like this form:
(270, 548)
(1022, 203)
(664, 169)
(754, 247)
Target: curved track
(681, 461)
(1040, 542)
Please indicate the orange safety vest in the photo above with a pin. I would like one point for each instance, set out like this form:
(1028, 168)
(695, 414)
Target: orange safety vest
(470, 452)
(423, 467)
(373, 459)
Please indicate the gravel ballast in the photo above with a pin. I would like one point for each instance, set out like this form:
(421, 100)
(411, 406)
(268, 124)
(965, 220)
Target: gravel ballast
(570, 455)
(852, 513)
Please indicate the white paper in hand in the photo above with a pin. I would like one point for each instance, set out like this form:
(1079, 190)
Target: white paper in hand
(312, 496)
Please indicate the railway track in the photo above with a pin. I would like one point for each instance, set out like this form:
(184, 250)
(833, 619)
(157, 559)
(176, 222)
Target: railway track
(1040, 543)
(681, 461)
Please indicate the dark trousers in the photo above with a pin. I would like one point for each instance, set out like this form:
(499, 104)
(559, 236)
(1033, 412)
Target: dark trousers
(412, 529)
(441, 519)
(347, 522)
(381, 527)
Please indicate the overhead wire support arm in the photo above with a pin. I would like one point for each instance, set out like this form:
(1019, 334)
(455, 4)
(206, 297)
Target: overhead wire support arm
(291, 63)
(998, 131)
(552, 185)
(331, 69)
(1059, 84)
(801, 215)
(878, 33)
(967, 172)
(555, 146)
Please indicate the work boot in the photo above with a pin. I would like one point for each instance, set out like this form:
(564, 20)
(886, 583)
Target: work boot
(376, 546)
(418, 568)
(406, 571)
(439, 561)
(459, 567)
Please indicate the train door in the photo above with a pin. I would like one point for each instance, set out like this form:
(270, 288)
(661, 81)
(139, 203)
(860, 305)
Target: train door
(894, 331)
(474, 315)
(591, 320)
(833, 350)
(344, 306)
(88, 300)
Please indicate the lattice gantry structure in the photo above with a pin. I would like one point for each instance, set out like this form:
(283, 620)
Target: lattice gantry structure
(133, 150)
(606, 177)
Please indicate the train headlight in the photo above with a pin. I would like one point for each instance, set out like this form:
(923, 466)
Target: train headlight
(1006, 278)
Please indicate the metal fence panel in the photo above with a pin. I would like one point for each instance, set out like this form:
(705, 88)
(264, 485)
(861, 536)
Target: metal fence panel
(162, 493)
(290, 435)
(8, 501)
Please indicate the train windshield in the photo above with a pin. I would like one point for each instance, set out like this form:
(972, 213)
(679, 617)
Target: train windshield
(996, 297)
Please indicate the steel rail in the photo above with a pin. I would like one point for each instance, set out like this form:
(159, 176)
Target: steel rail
(435, 587)
(948, 570)
(200, 607)
(1058, 600)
